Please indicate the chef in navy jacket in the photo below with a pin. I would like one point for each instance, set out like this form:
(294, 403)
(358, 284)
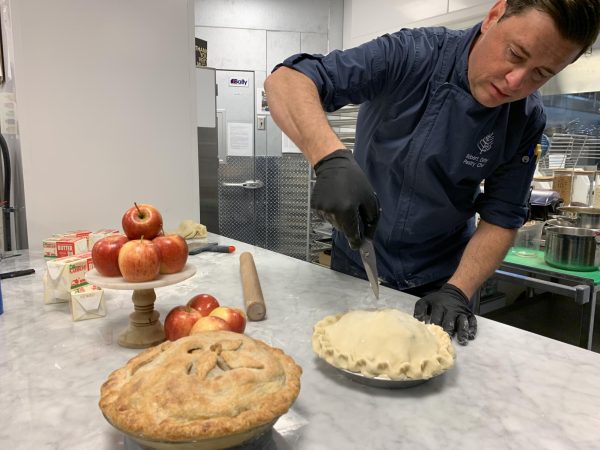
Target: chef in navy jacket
(441, 111)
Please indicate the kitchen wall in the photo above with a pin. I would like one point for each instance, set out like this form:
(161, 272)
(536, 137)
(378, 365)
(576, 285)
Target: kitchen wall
(366, 20)
(106, 102)
(257, 34)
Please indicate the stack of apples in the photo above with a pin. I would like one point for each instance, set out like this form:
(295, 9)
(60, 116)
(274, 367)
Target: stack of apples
(143, 252)
(200, 314)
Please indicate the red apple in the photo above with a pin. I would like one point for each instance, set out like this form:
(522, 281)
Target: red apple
(142, 220)
(180, 321)
(233, 316)
(173, 252)
(203, 303)
(105, 254)
(209, 323)
(139, 260)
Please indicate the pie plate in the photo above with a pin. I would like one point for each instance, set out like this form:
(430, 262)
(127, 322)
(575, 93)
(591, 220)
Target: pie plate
(223, 442)
(380, 382)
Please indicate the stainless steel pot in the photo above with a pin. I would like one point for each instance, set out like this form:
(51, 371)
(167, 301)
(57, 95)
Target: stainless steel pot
(583, 216)
(572, 248)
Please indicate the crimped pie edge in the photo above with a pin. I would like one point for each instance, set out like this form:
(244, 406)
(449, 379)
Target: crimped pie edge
(324, 349)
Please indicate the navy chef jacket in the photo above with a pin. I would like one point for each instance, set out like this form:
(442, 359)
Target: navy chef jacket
(426, 144)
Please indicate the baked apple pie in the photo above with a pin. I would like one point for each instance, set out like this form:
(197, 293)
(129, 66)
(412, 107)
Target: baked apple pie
(204, 386)
(386, 343)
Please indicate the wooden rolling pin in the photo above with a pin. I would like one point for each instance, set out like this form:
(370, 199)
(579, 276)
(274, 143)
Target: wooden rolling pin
(253, 296)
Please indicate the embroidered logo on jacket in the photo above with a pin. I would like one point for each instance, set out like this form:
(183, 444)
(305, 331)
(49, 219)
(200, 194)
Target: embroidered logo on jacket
(484, 145)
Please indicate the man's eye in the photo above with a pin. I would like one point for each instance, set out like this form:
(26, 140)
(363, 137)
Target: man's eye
(513, 56)
(538, 75)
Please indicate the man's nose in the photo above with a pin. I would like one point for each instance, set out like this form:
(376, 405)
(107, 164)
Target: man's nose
(515, 78)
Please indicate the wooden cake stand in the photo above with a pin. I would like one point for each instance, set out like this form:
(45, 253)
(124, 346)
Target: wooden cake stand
(145, 329)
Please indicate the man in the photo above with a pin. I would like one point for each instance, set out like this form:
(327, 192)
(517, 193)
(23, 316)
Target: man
(441, 110)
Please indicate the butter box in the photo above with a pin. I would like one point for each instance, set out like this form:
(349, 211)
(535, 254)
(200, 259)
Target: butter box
(87, 302)
(97, 235)
(49, 246)
(65, 245)
(64, 274)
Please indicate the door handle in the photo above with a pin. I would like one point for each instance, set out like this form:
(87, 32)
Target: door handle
(248, 184)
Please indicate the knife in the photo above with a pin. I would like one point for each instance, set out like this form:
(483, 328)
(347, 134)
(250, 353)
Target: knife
(211, 247)
(367, 254)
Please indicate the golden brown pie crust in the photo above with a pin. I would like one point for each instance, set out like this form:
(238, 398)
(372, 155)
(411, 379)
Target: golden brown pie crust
(203, 386)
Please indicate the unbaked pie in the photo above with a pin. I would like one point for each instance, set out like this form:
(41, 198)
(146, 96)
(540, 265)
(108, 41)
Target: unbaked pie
(385, 343)
(204, 386)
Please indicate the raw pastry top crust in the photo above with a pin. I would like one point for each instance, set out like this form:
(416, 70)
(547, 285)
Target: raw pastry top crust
(385, 343)
(208, 385)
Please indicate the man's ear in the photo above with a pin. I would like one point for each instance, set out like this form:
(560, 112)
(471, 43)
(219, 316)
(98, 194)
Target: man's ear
(493, 15)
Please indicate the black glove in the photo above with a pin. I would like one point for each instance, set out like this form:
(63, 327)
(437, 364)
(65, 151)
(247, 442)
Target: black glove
(344, 197)
(449, 308)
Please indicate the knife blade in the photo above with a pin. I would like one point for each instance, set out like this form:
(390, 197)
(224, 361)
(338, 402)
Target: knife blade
(367, 255)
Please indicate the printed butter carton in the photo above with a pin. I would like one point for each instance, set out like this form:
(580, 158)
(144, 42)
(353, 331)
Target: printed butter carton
(65, 245)
(87, 302)
(97, 235)
(49, 246)
(64, 274)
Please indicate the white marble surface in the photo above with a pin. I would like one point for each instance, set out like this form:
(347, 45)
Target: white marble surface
(509, 389)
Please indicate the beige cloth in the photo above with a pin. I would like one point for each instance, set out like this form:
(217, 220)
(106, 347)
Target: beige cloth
(188, 229)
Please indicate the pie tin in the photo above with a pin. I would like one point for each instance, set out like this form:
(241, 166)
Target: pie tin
(381, 382)
(245, 438)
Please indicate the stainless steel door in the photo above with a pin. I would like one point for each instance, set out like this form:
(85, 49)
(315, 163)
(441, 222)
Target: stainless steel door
(241, 183)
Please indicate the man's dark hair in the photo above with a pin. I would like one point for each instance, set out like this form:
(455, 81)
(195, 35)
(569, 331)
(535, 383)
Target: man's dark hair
(577, 21)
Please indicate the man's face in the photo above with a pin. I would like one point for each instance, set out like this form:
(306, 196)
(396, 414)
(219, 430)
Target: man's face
(513, 57)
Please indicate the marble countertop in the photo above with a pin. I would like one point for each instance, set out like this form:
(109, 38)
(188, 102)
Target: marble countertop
(508, 389)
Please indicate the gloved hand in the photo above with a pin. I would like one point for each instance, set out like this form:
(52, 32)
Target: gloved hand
(343, 196)
(449, 308)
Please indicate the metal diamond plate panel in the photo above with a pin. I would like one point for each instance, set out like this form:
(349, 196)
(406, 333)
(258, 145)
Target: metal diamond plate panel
(274, 217)
(287, 205)
(236, 205)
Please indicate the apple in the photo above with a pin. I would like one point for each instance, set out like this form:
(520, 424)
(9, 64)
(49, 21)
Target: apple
(105, 254)
(173, 252)
(233, 316)
(179, 322)
(139, 260)
(209, 323)
(142, 220)
(203, 303)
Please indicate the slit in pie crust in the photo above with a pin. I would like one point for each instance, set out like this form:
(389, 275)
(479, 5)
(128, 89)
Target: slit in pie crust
(204, 386)
(386, 343)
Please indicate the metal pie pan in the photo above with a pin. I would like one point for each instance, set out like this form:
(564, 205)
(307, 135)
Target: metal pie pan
(380, 382)
(246, 438)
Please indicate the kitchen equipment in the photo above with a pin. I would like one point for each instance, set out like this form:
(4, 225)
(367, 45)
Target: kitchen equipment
(16, 273)
(563, 184)
(381, 382)
(584, 216)
(145, 329)
(252, 439)
(543, 203)
(572, 248)
(528, 238)
(367, 255)
(210, 247)
(253, 296)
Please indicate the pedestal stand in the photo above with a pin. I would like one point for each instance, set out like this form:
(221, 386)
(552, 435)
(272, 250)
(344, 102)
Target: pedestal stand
(145, 329)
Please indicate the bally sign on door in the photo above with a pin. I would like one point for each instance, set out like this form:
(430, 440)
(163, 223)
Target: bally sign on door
(239, 82)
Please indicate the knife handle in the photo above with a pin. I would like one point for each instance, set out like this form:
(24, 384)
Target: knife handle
(16, 273)
(253, 296)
